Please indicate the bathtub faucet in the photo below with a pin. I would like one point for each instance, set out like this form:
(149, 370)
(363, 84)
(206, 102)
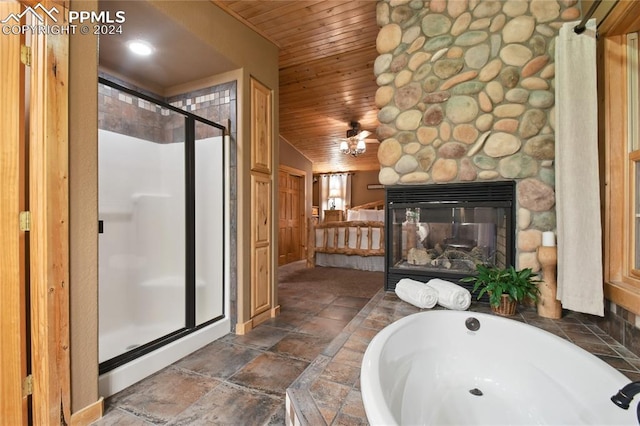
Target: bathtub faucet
(624, 396)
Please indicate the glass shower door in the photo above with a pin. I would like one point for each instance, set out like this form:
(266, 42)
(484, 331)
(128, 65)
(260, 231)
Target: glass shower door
(142, 240)
(162, 224)
(209, 222)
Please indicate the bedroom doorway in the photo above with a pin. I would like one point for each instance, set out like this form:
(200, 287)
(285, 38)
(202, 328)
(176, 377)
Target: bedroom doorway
(291, 215)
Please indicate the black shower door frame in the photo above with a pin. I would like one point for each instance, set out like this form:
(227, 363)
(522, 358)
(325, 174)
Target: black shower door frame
(190, 232)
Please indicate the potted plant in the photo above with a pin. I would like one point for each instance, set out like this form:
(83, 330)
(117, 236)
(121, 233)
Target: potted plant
(505, 286)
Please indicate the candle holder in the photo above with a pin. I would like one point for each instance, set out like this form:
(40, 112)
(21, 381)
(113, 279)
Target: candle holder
(548, 306)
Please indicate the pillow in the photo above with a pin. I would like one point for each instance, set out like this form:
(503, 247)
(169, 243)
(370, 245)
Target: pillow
(370, 215)
(353, 215)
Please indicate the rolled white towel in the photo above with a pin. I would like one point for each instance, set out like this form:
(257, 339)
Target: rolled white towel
(451, 295)
(417, 293)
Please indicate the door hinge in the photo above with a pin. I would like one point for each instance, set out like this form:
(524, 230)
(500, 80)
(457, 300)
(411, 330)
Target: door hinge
(27, 385)
(25, 221)
(25, 55)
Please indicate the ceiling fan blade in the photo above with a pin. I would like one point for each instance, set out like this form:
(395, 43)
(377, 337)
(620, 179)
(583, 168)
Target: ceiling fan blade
(363, 134)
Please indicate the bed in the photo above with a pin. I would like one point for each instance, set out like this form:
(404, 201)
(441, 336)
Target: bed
(357, 243)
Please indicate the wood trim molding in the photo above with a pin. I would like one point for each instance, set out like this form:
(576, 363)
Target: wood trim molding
(624, 295)
(88, 414)
(243, 328)
(49, 235)
(292, 170)
(260, 318)
(13, 356)
(221, 4)
(624, 18)
(275, 311)
(615, 126)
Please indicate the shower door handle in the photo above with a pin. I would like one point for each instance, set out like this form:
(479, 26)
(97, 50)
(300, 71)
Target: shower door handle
(100, 226)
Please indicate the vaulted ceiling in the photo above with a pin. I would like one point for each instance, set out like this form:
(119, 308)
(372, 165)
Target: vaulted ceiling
(327, 51)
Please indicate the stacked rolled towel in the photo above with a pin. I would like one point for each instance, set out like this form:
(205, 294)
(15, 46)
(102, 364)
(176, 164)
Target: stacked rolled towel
(450, 295)
(417, 293)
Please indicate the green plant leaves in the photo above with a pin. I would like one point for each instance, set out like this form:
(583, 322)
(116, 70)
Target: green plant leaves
(496, 281)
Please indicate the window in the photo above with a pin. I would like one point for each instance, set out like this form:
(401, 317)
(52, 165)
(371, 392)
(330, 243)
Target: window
(635, 270)
(335, 191)
(632, 174)
(619, 77)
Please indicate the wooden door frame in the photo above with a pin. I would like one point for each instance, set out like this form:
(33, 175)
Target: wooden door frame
(48, 269)
(303, 206)
(49, 234)
(623, 18)
(13, 335)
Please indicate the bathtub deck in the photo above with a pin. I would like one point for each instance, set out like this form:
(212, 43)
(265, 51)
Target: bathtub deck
(328, 391)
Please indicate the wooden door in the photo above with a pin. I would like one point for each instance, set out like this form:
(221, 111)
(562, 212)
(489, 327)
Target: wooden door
(40, 354)
(290, 195)
(13, 335)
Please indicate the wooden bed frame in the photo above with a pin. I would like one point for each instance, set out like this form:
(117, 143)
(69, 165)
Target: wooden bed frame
(334, 233)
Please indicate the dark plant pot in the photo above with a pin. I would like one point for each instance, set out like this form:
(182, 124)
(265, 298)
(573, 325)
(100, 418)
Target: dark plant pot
(506, 308)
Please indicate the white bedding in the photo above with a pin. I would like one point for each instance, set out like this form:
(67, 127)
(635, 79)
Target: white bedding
(351, 253)
(366, 215)
(364, 263)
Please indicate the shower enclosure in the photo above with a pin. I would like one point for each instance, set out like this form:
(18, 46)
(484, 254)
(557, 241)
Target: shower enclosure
(161, 222)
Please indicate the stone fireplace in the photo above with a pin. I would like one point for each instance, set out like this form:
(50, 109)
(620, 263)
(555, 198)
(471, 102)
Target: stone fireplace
(445, 231)
(466, 95)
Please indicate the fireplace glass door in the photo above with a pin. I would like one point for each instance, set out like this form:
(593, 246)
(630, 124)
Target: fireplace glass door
(449, 240)
(446, 230)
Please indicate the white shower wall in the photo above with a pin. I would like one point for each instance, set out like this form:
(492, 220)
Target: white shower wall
(142, 248)
(210, 227)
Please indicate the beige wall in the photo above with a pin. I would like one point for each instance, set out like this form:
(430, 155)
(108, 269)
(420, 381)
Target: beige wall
(83, 214)
(360, 194)
(256, 57)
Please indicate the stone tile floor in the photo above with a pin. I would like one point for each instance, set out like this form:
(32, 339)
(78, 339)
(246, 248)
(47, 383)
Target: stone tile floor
(311, 352)
(240, 380)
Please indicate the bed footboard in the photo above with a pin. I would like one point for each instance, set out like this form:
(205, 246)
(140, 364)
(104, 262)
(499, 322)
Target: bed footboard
(361, 238)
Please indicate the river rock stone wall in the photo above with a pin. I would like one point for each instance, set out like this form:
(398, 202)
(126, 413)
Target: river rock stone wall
(466, 93)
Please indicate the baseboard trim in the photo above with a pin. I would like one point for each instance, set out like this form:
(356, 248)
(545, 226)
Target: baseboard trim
(88, 414)
(244, 327)
(275, 311)
(260, 318)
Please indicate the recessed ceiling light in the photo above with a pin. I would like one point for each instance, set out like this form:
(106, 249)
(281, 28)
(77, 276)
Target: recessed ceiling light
(140, 47)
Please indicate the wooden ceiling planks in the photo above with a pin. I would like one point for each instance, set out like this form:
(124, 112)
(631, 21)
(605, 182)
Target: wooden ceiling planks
(327, 52)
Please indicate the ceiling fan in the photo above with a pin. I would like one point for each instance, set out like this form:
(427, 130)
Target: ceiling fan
(355, 142)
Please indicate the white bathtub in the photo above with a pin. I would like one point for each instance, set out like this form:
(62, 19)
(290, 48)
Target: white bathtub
(425, 368)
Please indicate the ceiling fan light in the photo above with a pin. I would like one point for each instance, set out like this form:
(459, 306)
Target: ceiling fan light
(344, 147)
(361, 147)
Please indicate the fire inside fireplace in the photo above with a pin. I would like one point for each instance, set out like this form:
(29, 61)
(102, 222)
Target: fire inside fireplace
(446, 230)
